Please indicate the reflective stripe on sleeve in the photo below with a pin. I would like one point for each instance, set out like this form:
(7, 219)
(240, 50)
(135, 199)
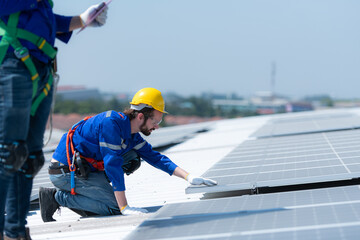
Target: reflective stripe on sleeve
(123, 145)
(140, 145)
(111, 146)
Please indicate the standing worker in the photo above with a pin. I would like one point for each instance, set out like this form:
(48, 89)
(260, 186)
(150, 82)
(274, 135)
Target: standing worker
(89, 163)
(28, 29)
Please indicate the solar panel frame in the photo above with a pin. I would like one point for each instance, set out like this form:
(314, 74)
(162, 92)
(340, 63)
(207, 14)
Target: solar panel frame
(330, 213)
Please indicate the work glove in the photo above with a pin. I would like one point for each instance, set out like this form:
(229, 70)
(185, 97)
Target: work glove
(200, 181)
(89, 14)
(133, 211)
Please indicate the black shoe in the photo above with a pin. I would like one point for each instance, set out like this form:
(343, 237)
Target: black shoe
(83, 213)
(27, 235)
(48, 204)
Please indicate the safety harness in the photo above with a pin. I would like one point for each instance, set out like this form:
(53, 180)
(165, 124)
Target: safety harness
(131, 162)
(10, 37)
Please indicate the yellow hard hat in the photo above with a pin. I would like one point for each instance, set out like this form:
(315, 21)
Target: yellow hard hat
(151, 97)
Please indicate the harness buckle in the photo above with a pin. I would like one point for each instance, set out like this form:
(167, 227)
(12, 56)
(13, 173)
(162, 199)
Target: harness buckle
(21, 52)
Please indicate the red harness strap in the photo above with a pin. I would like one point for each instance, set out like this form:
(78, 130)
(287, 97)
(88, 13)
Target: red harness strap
(69, 140)
(99, 165)
(71, 163)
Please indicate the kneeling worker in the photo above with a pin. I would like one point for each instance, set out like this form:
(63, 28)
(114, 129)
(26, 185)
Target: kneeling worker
(89, 164)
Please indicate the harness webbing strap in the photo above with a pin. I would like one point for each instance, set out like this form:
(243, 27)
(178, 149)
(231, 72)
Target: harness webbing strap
(51, 3)
(10, 37)
(23, 53)
(42, 95)
(8, 32)
(69, 143)
(13, 22)
(98, 165)
(3, 48)
(40, 42)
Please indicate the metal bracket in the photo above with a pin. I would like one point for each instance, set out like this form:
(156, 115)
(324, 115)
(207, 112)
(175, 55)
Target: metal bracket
(254, 189)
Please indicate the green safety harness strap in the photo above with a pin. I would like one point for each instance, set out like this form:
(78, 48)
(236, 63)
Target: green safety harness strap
(42, 95)
(10, 37)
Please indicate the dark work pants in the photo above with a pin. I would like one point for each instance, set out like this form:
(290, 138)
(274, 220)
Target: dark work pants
(16, 124)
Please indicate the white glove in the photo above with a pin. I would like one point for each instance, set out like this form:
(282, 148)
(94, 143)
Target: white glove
(133, 211)
(90, 12)
(199, 181)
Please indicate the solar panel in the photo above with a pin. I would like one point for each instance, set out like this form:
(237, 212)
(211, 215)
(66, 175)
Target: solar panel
(329, 213)
(308, 124)
(285, 161)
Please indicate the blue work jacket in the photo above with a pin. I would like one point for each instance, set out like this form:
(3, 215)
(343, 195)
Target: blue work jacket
(107, 136)
(38, 18)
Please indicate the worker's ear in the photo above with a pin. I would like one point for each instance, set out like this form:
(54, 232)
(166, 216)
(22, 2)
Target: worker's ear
(140, 116)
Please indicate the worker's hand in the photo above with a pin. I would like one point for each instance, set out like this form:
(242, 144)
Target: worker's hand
(200, 181)
(90, 12)
(133, 211)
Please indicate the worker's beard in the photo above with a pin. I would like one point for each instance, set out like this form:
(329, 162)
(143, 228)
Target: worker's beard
(144, 130)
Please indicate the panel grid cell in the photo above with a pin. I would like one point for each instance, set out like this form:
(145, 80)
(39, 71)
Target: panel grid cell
(288, 160)
(330, 213)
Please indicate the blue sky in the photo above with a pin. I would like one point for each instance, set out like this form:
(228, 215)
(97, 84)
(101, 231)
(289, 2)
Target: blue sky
(228, 46)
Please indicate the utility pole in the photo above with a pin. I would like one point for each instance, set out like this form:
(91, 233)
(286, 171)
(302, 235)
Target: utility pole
(273, 78)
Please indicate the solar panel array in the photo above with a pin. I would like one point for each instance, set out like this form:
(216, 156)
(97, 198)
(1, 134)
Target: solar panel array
(329, 213)
(290, 160)
(310, 150)
(308, 124)
(320, 150)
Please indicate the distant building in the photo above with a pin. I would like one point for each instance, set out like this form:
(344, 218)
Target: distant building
(125, 97)
(231, 104)
(210, 95)
(299, 107)
(77, 93)
(262, 103)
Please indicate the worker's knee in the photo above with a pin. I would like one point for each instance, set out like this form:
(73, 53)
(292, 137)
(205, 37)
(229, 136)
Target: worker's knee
(33, 164)
(13, 156)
